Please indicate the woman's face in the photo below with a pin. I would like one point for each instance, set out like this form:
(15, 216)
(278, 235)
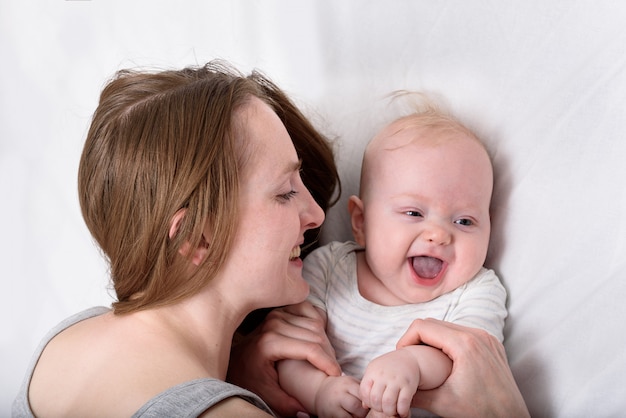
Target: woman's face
(275, 209)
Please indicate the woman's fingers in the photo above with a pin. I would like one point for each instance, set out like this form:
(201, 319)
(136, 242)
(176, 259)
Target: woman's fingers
(479, 362)
(287, 335)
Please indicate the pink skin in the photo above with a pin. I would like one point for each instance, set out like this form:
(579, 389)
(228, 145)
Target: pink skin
(422, 194)
(423, 218)
(428, 281)
(274, 212)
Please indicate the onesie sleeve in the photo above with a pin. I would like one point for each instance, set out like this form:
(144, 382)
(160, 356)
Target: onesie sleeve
(316, 273)
(482, 304)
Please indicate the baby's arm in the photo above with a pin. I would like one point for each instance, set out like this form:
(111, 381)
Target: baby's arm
(320, 394)
(391, 380)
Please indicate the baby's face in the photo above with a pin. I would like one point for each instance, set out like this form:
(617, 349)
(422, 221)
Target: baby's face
(426, 214)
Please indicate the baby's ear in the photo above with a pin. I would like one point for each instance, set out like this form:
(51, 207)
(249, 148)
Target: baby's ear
(355, 208)
(185, 250)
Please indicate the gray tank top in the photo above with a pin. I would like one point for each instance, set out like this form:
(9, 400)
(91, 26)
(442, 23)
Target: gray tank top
(188, 399)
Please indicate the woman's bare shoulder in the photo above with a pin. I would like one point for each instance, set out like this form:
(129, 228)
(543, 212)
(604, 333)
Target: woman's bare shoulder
(107, 363)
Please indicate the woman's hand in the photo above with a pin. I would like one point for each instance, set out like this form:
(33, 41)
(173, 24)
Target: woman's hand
(481, 383)
(293, 332)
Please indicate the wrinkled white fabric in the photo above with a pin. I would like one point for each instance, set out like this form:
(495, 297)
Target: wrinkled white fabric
(542, 82)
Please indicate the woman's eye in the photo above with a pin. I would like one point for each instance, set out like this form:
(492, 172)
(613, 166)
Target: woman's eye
(287, 196)
(464, 222)
(413, 213)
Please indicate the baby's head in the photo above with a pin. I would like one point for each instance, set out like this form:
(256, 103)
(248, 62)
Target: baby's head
(423, 210)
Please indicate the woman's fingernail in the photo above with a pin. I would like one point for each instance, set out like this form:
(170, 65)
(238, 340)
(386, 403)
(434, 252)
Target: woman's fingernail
(302, 415)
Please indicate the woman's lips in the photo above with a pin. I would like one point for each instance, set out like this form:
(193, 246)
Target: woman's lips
(295, 253)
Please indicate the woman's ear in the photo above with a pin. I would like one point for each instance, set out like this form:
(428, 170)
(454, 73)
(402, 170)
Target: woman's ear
(355, 208)
(197, 254)
(175, 222)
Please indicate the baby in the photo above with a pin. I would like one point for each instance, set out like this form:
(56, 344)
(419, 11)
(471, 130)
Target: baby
(421, 228)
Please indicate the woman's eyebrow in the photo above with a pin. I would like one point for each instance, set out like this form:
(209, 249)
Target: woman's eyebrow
(296, 166)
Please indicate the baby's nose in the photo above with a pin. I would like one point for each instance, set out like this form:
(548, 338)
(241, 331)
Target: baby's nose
(437, 235)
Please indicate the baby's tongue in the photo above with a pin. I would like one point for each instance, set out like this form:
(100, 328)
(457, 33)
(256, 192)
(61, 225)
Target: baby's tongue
(427, 267)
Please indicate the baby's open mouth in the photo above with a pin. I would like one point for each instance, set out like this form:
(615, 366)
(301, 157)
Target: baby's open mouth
(295, 253)
(427, 267)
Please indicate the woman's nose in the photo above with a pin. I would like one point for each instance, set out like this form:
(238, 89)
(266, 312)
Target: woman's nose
(312, 215)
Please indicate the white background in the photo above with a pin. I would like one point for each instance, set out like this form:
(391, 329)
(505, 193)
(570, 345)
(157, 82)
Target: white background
(543, 82)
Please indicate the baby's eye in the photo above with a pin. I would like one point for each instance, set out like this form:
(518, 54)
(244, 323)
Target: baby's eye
(464, 222)
(413, 213)
(287, 196)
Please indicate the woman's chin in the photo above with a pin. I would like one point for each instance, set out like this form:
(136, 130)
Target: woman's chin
(299, 291)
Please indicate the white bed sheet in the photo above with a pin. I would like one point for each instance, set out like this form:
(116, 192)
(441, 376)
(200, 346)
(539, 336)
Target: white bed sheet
(543, 82)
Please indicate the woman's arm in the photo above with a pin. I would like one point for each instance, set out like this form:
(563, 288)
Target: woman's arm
(481, 383)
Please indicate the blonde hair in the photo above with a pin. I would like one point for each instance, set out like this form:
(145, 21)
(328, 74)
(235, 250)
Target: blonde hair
(424, 111)
(162, 142)
(421, 112)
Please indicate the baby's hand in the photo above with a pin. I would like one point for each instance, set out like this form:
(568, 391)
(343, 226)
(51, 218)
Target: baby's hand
(376, 414)
(338, 397)
(389, 383)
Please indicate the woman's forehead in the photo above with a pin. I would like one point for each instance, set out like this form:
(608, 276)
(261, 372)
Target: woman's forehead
(265, 138)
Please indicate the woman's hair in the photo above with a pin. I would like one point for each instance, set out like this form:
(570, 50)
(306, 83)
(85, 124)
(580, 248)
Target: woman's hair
(164, 142)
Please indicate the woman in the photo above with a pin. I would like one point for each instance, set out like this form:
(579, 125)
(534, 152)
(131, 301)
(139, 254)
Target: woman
(190, 184)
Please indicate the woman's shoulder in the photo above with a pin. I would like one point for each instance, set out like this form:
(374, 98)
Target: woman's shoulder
(43, 371)
(100, 360)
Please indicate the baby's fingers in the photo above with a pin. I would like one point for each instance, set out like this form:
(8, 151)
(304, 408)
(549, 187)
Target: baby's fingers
(365, 390)
(404, 402)
(390, 400)
(354, 406)
(376, 414)
(372, 394)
